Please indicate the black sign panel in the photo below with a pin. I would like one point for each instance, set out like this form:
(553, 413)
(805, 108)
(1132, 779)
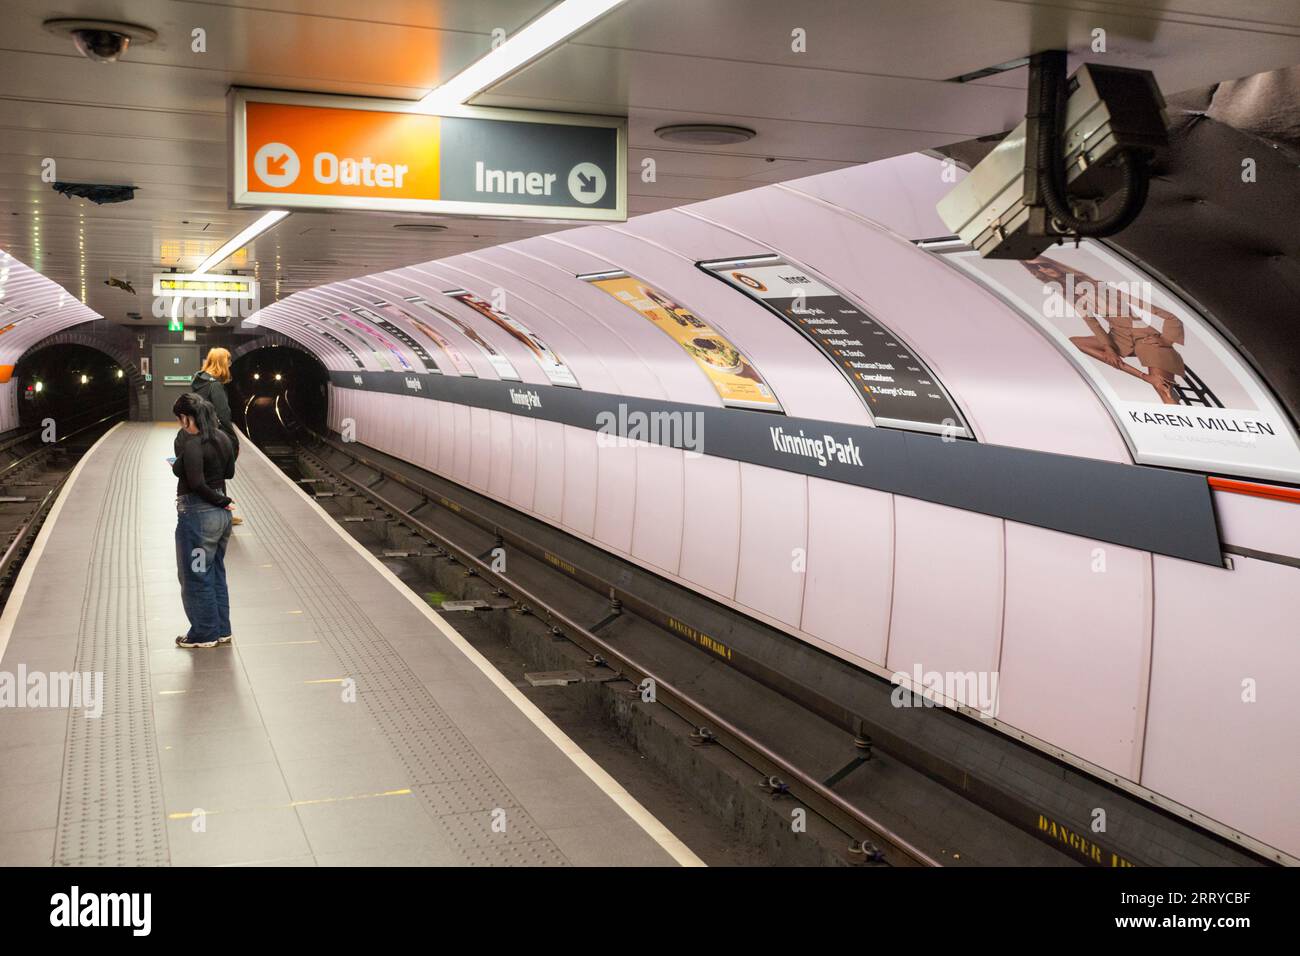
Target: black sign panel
(1152, 509)
(896, 386)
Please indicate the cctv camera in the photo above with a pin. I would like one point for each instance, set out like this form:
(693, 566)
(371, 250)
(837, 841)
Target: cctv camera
(103, 46)
(1106, 126)
(103, 41)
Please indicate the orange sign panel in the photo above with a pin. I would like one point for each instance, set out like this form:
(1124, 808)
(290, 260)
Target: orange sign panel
(342, 152)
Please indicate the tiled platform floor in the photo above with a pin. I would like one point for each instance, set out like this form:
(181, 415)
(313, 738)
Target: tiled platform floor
(343, 726)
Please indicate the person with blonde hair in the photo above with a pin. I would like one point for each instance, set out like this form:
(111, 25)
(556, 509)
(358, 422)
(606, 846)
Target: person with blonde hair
(210, 384)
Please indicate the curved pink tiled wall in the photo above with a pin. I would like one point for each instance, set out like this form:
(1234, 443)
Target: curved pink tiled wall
(1102, 653)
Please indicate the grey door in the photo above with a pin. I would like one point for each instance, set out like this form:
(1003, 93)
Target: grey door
(173, 367)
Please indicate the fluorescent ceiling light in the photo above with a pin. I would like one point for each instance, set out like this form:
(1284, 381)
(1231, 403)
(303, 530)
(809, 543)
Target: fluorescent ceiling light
(552, 27)
(242, 239)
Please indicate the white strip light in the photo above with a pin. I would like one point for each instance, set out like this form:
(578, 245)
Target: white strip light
(246, 236)
(554, 26)
(243, 238)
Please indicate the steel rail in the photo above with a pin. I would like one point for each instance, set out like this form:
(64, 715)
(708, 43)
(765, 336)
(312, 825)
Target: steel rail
(8, 443)
(895, 849)
(36, 517)
(47, 446)
(29, 528)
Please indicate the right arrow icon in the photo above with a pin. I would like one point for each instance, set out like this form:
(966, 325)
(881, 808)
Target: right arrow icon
(587, 183)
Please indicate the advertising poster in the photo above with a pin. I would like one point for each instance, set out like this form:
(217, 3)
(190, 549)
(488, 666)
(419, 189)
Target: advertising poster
(734, 377)
(453, 355)
(552, 366)
(500, 364)
(359, 339)
(356, 360)
(1179, 392)
(896, 386)
(369, 332)
(400, 334)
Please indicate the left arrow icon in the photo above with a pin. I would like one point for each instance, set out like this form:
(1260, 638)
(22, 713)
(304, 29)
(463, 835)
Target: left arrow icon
(276, 165)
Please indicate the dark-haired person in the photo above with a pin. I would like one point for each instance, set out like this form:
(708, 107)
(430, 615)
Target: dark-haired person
(210, 383)
(204, 460)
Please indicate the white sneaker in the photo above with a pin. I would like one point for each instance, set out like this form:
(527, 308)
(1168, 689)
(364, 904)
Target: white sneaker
(188, 645)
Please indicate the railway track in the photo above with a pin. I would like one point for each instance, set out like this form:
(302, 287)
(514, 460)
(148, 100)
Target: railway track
(32, 472)
(838, 749)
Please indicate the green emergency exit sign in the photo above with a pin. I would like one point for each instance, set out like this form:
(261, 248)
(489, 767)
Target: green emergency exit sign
(174, 324)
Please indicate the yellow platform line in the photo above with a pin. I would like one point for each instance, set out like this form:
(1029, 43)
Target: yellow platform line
(403, 792)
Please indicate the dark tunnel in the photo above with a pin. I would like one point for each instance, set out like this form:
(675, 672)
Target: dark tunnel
(293, 376)
(68, 381)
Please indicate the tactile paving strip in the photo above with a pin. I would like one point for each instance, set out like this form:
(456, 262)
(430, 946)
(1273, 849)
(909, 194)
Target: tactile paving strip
(111, 798)
(456, 786)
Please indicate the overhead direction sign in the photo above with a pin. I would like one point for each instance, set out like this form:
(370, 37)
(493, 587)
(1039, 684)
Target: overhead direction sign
(314, 151)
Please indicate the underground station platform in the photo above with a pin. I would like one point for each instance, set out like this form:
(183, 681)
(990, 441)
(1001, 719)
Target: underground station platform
(345, 724)
(682, 446)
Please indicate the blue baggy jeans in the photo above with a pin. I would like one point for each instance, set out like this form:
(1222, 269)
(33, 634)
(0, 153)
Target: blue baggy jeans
(202, 533)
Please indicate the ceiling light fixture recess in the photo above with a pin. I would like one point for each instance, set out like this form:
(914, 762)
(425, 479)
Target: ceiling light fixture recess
(103, 41)
(705, 134)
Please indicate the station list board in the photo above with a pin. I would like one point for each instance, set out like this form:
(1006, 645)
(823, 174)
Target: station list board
(897, 388)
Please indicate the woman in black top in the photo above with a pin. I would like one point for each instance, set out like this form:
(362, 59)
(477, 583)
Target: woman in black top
(204, 461)
(210, 383)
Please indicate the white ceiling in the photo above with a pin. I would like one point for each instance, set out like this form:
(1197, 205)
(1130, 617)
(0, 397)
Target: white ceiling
(870, 85)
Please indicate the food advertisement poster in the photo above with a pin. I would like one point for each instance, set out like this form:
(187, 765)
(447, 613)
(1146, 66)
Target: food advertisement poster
(733, 375)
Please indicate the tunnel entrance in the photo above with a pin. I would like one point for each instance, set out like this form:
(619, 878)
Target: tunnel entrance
(272, 372)
(68, 381)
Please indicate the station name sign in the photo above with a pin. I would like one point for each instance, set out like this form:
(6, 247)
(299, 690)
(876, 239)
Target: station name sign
(315, 151)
